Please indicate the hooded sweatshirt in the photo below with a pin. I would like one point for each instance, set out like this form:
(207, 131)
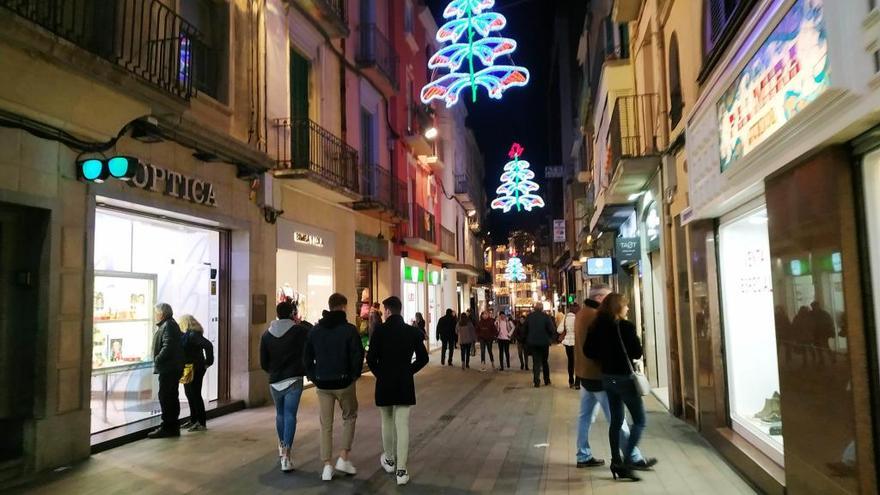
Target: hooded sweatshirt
(334, 355)
(281, 350)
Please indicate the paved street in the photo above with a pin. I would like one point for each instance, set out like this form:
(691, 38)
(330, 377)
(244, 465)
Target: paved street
(472, 432)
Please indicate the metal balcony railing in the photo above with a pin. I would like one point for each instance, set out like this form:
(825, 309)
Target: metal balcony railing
(421, 118)
(376, 50)
(447, 241)
(423, 224)
(145, 37)
(399, 198)
(376, 184)
(304, 145)
(633, 127)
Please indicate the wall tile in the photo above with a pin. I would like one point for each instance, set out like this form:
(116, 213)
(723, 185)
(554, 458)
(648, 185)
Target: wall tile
(70, 343)
(72, 247)
(68, 389)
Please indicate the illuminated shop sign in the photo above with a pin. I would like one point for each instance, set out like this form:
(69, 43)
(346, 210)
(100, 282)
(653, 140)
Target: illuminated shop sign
(154, 178)
(413, 274)
(310, 239)
(788, 72)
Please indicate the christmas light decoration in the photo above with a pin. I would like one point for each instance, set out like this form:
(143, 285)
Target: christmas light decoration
(515, 271)
(517, 187)
(467, 20)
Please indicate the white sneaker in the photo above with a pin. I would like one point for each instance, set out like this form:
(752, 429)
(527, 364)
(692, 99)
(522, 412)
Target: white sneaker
(402, 478)
(286, 464)
(387, 464)
(327, 475)
(346, 467)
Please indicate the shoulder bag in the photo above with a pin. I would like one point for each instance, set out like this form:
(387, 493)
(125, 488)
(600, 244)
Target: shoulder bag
(643, 387)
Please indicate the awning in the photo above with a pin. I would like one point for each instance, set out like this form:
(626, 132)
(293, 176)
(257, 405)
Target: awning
(463, 268)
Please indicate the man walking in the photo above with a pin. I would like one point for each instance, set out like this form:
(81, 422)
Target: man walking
(446, 335)
(168, 364)
(334, 359)
(540, 330)
(390, 359)
(589, 374)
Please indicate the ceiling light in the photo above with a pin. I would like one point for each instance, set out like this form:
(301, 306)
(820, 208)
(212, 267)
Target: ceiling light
(431, 133)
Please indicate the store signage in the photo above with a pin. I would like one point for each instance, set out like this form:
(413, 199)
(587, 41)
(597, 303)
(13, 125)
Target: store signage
(628, 248)
(787, 73)
(310, 239)
(150, 177)
(434, 278)
(413, 274)
(599, 267)
(558, 230)
(368, 246)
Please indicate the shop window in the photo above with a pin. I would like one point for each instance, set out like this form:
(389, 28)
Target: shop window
(307, 280)
(749, 331)
(676, 104)
(209, 52)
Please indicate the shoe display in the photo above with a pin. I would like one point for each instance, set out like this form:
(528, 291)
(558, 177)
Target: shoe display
(327, 474)
(402, 477)
(387, 464)
(346, 467)
(771, 413)
(591, 462)
(776, 430)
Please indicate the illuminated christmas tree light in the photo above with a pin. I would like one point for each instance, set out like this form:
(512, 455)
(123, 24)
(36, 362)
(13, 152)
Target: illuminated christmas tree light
(515, 271)
(517, 187)
(468, 19)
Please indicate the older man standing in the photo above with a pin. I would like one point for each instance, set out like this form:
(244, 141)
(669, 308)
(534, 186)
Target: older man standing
(168, 364)
(589, 373)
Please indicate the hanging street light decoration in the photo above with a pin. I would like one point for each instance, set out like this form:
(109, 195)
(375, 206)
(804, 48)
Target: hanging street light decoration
(517, 187)
(515, 271)
(467, 22)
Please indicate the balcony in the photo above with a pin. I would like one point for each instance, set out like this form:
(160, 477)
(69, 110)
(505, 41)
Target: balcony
(421, 118)
(448, 249)
(144, 37)
(329, 15)
(423, 230)
(324, 164)
(377, 58)
(383, 196)
(467, 191)
(626, 10)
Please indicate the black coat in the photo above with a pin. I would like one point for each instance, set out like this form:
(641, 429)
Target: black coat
(446, 328)
(197, 350)
(282, 356)
(168, 348)
(390, 359)
(605, 343)
(334, 354)
(540, 330)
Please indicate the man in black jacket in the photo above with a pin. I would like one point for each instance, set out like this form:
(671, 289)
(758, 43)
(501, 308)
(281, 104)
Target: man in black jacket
(446, 335)
(334, 360)
(540, 331)
(390, 360)
(282, 348)
(168, 364)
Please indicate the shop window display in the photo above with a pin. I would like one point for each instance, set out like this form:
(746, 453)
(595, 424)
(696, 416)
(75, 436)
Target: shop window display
(307, 280)
(750, 332)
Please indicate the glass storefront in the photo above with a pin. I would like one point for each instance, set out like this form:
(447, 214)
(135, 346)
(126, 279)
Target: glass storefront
(749, 330)
(413, 292)
(140, 261)
(307, 280)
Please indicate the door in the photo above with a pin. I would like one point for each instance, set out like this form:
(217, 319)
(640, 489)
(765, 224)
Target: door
(299, 111)
(23, 233)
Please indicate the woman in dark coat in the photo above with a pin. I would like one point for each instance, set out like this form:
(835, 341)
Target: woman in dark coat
(390, 359)
(199, 352)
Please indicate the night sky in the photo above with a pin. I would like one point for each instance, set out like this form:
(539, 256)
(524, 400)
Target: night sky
(521, 115)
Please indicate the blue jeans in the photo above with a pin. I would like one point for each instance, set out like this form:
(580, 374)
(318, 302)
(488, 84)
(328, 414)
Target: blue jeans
(587, 416)
(286, 406)
(621, 390)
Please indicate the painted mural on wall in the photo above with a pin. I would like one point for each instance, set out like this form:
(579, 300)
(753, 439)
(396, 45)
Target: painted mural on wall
(788, 72)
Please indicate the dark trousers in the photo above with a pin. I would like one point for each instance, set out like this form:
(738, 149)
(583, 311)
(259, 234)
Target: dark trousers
(193, 392)
(169, 400)
(504, 350)
(466, 354)
(522, 351)
(540, 354)
(569, 354)
(486, 344)
(621, 390)
(447, 344)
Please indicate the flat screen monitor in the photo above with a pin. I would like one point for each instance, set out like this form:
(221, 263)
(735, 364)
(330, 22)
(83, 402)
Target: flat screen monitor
(599, 266)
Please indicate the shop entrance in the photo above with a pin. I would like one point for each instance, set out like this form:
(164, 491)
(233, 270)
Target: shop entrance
(23, 233)
(140, 261)
(654, 317)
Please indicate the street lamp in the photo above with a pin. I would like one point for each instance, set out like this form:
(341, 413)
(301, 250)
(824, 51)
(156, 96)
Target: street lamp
(431, 133)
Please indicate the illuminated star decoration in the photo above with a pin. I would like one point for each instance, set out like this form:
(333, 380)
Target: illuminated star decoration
(517, 186)
(467, 20)
(515, 271)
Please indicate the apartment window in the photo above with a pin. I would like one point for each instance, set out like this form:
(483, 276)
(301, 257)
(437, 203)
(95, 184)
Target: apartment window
(208, 53)
(408, 20)
(676, 103)
(718, 14)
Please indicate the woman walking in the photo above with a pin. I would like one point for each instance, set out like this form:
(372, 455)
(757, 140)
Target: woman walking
(198, 352)
(486, 333)
(422, 325)
(467, 335)
(566, 337)
(504, 328)
(612, 341)
(522, 349)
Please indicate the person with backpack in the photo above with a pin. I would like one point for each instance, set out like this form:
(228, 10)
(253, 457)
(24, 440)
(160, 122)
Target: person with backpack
(504, 329)
(390, 358)
(566, 338)
(282, 348)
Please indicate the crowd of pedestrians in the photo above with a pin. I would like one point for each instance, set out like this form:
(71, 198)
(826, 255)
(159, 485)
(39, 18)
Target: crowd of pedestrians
(600, 347)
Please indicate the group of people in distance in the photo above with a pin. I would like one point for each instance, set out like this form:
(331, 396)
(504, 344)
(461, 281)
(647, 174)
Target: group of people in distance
(331, 355)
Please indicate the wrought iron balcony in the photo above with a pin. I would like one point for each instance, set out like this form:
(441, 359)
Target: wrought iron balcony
(376, 55)
(420, 119)
(447, 241)
(423, 224)
(330, 15)
(381, 193)
(307, 150)
(145, 37)
(633, 130)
